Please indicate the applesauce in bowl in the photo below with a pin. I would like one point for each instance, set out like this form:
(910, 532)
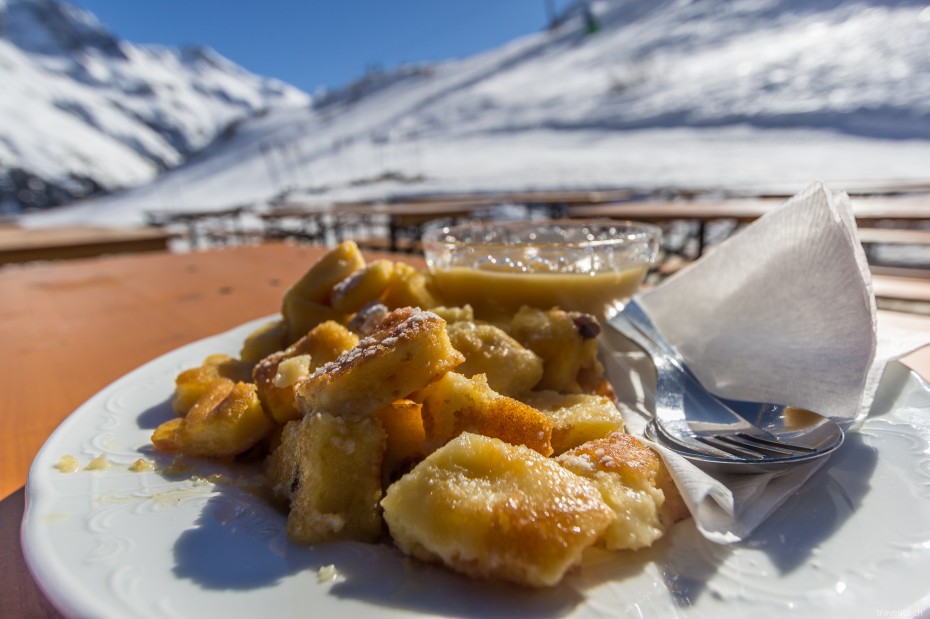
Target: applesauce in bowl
(580, 265)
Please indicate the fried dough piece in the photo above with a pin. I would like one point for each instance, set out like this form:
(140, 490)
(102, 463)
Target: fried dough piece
(510, 368)
(577, 417)
(628, 474)
(492, 510)
(226, 420)
(363, 286)
(317, 283)
(329, 471)
(325, 342)
(308, 302)
(366, 320)
(403, 423)
(278, 375)
(303, 315)
(408, 287)
(567, 343)
(267, 339)
(191, 384)
(455, 404)
(408, 350)
(455, 314)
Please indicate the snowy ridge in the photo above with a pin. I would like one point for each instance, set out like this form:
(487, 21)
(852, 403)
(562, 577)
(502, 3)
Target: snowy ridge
(83, 111)
(768, 94)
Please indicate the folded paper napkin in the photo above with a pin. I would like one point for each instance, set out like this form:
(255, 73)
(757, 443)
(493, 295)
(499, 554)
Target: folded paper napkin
(781, 312)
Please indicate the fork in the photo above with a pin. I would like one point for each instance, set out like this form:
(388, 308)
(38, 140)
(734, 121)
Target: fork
(697, 423)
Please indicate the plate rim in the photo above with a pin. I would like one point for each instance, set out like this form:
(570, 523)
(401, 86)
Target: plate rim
(55, 579)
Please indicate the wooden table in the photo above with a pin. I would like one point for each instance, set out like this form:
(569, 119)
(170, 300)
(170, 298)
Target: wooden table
(28, 244)
(867, 211)
(68, 329)
(204, 225)
(549, 197)
(389, 222)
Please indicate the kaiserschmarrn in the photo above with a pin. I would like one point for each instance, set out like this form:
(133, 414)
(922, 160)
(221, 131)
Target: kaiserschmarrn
(381, 413)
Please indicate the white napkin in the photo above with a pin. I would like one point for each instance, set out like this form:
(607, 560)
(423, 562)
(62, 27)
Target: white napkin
(780, 312)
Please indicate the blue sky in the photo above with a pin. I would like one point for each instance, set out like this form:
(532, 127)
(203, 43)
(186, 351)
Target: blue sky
(325, 43)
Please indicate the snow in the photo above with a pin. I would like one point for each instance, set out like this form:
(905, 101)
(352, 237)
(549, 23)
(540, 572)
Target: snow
(79, 104)
(742, 96)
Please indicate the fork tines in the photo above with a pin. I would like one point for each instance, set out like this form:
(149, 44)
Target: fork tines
(744, 445)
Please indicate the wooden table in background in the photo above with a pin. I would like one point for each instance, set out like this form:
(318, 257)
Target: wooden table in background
(868, 211)
(383, 224)
(69, 329)
(28, 244)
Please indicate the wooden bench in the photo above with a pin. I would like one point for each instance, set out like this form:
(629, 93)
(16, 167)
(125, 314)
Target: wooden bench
(204, 227)
(905, 289)
(383, 244)
(894, 236)
(873, 238)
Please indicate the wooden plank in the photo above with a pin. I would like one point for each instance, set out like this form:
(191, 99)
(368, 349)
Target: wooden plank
(905, 272)
(25, 244)
(894, 236)
(901, 288)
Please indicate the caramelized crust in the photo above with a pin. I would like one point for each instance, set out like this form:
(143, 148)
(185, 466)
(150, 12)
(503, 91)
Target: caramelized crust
(455, 404)
(628, 474)
(409, 350)
(492, 510)
(278, 395)
(191, 384)
(225, 421)
(576, 417)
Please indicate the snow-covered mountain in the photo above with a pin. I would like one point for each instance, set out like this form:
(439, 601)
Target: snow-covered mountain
(82, 111)
(769, 94)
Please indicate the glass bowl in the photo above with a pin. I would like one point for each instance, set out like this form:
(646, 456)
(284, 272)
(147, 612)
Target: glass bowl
(578, 265)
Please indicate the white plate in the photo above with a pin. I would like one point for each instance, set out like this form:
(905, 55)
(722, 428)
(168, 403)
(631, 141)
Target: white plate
(854, 542)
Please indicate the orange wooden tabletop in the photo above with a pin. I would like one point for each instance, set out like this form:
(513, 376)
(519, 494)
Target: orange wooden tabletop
(68, 329)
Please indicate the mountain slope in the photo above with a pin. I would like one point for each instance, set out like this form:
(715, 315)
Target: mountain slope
(860, 67)
(83, 111)
(771, 94)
